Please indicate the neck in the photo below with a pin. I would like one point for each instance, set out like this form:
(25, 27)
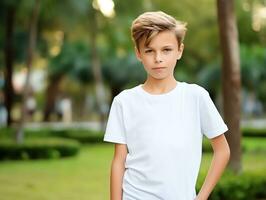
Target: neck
(159, 86)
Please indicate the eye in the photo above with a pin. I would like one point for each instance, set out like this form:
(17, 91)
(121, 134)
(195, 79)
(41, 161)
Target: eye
(167, 50)
(148, 51)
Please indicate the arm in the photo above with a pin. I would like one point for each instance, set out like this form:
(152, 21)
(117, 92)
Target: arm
(117, 171)
(220, 159)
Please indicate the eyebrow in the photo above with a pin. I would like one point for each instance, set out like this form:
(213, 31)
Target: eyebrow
(166, 46)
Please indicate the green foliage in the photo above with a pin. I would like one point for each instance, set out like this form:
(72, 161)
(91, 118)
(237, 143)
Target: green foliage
(84, 136)
(121, 71)
(38, 148)
(120, 67)
(85, 176)
(249, 144)
(244, 24)
(244, 12)
(81, 135)
(249, 186)
(253, 69)
(253, 72)
(73, 60)
(254, 132)
(254, 145)
(254, 140)
(210, 77)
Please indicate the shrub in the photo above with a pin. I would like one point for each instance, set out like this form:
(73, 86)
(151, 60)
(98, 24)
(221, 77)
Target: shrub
(247, 186)
(85, 137)
(254, 132)
(251, 145)
(81, 135)
(37, 148)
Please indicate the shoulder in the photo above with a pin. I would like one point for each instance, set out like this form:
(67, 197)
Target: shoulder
(195, 90)
(126, 94)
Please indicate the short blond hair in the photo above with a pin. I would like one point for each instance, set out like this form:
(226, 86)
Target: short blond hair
(149, 24)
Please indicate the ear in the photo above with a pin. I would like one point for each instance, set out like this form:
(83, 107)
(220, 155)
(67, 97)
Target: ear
(138, 54)
(180, 51)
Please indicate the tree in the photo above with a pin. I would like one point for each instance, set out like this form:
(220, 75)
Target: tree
(96, 66)
(31, 47)
(231, 79)
(9, 58)
(121, 73)
(71, 61)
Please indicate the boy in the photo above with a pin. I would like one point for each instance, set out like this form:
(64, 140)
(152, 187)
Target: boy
(158, 126)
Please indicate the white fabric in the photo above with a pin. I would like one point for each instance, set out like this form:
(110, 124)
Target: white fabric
(163, 134)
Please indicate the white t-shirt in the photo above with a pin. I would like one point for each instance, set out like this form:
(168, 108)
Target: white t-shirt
(163, 134)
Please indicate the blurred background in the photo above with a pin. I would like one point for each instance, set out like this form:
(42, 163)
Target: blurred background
(61, 64)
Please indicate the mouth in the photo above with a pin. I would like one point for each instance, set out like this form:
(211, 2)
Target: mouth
(157, 68)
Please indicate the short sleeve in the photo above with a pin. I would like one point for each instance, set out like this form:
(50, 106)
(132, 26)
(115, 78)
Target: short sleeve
(211, 121)
(115, 129)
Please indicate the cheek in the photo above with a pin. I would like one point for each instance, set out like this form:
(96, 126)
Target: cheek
(147, 62)
(172, 59)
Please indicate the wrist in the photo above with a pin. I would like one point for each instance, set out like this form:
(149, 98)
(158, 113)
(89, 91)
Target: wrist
(201, 197)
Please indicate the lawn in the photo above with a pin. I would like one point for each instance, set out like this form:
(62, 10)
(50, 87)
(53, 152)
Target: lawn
(83, 177)
(78, 178)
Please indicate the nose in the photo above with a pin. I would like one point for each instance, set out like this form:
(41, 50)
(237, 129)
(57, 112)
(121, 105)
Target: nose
(158, 58)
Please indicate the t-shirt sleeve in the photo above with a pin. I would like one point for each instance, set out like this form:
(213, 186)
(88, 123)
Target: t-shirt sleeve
(115, 129)
(211, 122)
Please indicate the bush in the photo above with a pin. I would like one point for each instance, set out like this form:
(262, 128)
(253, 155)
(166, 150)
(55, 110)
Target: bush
(254, 132)
(247, 186)
(84, 137)
(254, 145)
(6, 132)
(38, 148)
(251, 145)
(81, 135)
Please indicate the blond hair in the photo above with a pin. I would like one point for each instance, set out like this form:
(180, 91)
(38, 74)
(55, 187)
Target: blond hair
(149, 24)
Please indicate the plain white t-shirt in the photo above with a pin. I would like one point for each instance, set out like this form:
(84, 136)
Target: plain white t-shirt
(163, 134)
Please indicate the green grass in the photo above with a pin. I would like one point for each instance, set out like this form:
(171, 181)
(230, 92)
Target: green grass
(83, 177)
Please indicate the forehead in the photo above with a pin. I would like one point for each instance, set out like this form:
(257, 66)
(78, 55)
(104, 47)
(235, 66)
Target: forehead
(163, 38)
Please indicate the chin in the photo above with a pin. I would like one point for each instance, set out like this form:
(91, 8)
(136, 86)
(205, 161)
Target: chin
(159, 77)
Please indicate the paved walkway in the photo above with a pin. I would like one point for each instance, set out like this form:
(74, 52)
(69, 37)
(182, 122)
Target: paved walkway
(59, 125)
(254, 123)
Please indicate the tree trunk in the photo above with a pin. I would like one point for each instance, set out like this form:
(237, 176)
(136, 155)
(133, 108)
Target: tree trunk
(51, 94)
(231, 79)
(9, 57)
(31, 47)
(96, 68)
(115, 90)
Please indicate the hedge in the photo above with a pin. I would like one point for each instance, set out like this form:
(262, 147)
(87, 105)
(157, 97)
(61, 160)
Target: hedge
(38, 148)
(247, 186)
(251, 145)
(81, 135)
(90, 136)
(253, 132)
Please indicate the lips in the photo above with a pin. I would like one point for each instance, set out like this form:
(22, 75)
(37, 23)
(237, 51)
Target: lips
(159, 68)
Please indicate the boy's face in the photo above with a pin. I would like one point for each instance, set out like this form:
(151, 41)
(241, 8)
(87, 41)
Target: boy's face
(160, 56)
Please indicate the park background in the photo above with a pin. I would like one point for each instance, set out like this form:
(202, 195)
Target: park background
(62, 62)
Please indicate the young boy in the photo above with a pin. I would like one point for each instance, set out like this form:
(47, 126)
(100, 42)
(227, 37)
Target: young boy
(158, 126)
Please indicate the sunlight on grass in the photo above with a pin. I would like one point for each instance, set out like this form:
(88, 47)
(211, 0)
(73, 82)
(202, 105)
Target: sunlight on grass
(83, 177)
